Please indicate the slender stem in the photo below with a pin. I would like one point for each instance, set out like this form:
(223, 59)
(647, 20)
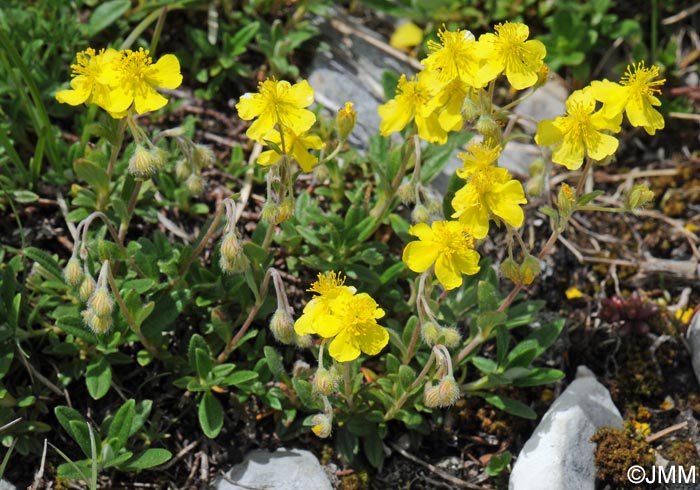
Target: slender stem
(85, 224)
(584, 175)
(231, 345)
(601, 209)
(404, 396)
(475, 342)
(412, 344)
(420, 307)
(129, 319)
(116, 148)
(158, 30)
(269, 234)
(333, 154)
(347, 382)
(124, 227)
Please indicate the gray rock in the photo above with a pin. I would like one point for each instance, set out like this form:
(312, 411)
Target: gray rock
(693, 336)
(293, 469)
(559, 454)
(6, 485)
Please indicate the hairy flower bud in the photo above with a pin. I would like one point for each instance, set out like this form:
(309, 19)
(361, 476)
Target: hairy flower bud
(638, 197)
(488, 127)
(529, 269)
(448, 391)
(470, 111)
(159, 156)
(542, 76)
(452, 337)
(510, 270)
(536, 167)
(303, 341)
(535, 186)
(96, 323)
(270, 213)
(282, 326)
(430, 396)
(87, 288)
(431, 331)
(194, 184)
(182, 170)
(420, 214)
(345, 120)
(406, 192)
(566, 200)
(321, 425)
(203, 156)
(324, 382)
(141, 163)
(73, 273)
(286, 210)
(101, 302)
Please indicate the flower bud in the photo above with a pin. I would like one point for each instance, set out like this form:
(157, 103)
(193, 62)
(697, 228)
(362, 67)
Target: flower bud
(230, 246)
(536, 167)
(101, 302)
(511, 270)
(566, 200)
(529, 269)
(321, 425)
(448, 391)
(452, 337)
(303, 341)
(87, 288)
(96, 323)
(406, 192)
(141, 163)
(270, 213)
(73, 273)
(488, 127)
(542, 76)
(420, 214)
(434, 206)
(535, 186)
(470, 111)
(282, 326)
(638, 197)
(324, 382)
(182, 170)
(431, 331)
(345, 120)
(321, 173)
(194, 184)
(430, 396)
(203, 156)
(159, 156)
(286, 210)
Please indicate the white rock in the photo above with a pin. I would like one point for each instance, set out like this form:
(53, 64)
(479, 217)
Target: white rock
(693, 336)
(6, 485)
(559, 454)
(293, 469)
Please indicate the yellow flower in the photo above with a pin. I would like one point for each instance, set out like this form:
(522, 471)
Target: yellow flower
(296, 146)
(137, 78)
(408, 35)
(454, 57)
(447, 244)
(277, 102)
(489, 191)
(349, 318)
(579, 132)
(345, 121)
(635, 95)
(509, 51)
(411, 103)
(448, 103)
(93, 75)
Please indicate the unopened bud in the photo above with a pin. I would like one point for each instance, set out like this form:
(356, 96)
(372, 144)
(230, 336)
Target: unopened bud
(324, 382)
(529, 269)
(406, 192)
(420, 214)
(470, 110)
(303, 341)
(566, 200)
(101, 302)
(73, 273)
(203, 156)
(87, 288)
(159, 157)
(282, 326)
(638, 197)
(233, 259)
(194, 184)
(434, 206)
(431, 396)
(141, 163)
(431, 331)
(535, 186)
(536, 167)
(510, 270)
(452, 337)
(286, 210)
(96, 323)
(448, 391)
(270, 213)
(345, 120)
(488, 127)
(321, 173)
(182, 170)
(321, 425)
(542, 76)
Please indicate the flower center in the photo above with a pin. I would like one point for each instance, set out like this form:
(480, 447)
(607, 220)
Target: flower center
(639, 77)
(133, 67)
(327, 282)
(453, 241)
(86, 64)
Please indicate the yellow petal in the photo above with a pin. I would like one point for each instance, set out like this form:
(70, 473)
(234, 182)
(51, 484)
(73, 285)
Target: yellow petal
(166, 72)
(261, 126)
(407, 35)
(506, 203)
(302, 94)
(328, 326)
(148, 100)
(547, 133)
(250, 106)
(573, 293)
(641, 113)
(467, 262)
(601, 145)
(394, 116)
(373, 339)
(297, 120)
(569, 153)
(73, 97)
(267, 158)
(343, 348)
(419, 256)
(306, 160)
(429, 129)
(447, 274)
(422, 231)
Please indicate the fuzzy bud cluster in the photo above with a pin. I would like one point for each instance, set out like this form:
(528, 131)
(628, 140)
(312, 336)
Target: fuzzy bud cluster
(282, 326)
(233, 260)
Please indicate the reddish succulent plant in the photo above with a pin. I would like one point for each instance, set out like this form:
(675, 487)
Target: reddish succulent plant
(630, 315)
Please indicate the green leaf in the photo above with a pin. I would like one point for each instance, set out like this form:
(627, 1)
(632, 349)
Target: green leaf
(120, 426)
(488, 320)
(211, 415)
(105, 15)
(203, 362)
(406, 376)
(374, 450)
(487, 296)
(196, 342)
(522, 354)
(98, 378)
(148, 459)
(539, 376)
(499, 463)
(239, 377)
(274, 362)
(509, 405)
(390, 80)
(93, 174)
(75, 425)
(586, 198)
(305, 393)
(46, 261)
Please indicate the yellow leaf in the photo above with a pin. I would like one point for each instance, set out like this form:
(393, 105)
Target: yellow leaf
(573, 293)
(407, 35)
